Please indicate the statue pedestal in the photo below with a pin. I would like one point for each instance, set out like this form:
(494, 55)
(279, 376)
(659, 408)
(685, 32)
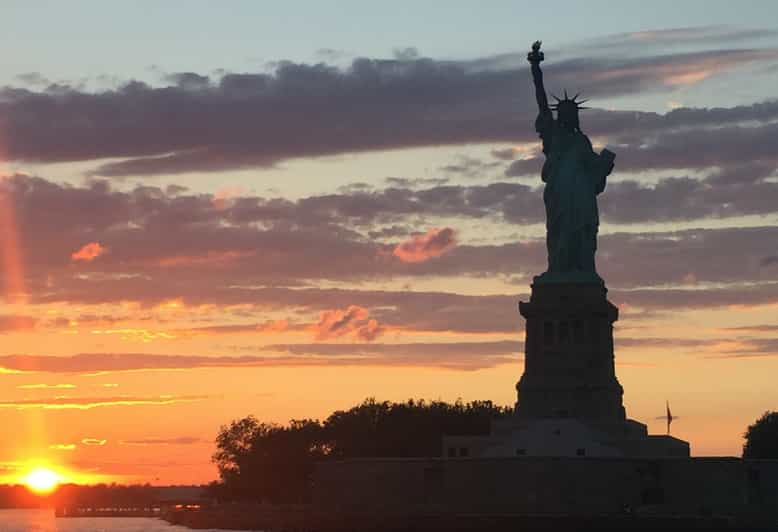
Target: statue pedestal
(569, 400)
(569, 364)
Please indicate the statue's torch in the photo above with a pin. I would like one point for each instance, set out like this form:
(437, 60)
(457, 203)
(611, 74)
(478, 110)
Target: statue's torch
(535, 56)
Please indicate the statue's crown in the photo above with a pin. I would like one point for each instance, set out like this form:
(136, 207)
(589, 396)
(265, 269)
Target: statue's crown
(568, 102)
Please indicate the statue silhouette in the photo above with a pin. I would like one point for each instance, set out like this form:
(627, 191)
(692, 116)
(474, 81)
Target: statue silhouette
(574, 175)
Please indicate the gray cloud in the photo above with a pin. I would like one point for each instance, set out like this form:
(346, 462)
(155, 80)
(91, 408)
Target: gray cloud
(177, 245)
(769, 260)
(243, 120)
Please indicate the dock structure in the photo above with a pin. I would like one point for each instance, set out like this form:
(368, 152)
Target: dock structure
(158, 502)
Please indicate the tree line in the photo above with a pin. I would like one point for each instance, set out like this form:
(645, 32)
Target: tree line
(274, 463)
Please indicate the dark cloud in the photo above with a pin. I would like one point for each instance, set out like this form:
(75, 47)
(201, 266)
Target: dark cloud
(189, 80)
(691, 298)
(299, 110)
(736, 145)
(769, 260)
(180, 245)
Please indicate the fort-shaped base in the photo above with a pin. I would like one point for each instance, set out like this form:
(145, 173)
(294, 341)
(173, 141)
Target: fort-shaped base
(569, 399)
(569, 363)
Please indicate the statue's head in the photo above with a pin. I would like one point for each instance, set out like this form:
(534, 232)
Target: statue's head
(567, 111)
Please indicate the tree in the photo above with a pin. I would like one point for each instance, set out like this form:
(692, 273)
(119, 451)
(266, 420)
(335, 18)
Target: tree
(264, 461)
(762, 437)
(260, 461)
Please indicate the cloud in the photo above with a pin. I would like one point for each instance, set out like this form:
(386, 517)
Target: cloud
(278, 248)
(63, 446)
(45, 386)
(88, 403)
(197, 123)
(431, 244)
(753, 328)
(462, 355)
(453, 355)
(88, 252)
(354, 322)
(94, 442)
(675, 37)
(769, 260)
(182, 246)
(751, 348)
(13, 323)
(739, 295)
(181, 440)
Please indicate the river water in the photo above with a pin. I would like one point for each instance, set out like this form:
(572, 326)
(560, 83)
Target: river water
(44, 521)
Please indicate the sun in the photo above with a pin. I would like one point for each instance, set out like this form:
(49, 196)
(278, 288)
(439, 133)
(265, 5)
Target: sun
(42, 480)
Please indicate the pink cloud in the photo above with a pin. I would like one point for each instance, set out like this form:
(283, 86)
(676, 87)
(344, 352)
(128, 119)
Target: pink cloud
(273, 326)
(12, 323)
(89, 252)
(420, 248)
(224, 198)
(353, 321)
(209, 258)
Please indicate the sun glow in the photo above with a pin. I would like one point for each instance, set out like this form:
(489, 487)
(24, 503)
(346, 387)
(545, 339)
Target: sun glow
(41, 480)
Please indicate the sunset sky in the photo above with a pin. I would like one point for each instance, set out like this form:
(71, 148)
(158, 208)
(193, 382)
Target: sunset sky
(283, 208)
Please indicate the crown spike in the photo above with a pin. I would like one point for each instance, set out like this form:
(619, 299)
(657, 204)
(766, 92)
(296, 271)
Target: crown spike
(566, 98)
(577, 94)
(555, 97)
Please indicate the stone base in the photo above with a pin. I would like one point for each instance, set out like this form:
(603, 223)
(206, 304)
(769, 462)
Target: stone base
(569, 364)
(565, 437)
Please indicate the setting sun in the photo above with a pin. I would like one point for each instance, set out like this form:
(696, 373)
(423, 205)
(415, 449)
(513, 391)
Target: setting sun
(42, 480)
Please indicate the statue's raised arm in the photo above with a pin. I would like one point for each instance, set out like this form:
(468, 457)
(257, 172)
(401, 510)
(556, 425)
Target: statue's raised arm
(535, 57)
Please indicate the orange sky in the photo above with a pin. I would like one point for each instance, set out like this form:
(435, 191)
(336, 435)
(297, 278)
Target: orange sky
(179, 255)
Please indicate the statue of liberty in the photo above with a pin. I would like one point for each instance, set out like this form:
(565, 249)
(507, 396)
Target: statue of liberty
(574, 175)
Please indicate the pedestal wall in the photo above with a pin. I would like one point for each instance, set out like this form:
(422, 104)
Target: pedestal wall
(569, 363)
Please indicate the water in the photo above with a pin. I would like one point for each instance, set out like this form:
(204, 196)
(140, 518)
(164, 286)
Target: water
(44, 521)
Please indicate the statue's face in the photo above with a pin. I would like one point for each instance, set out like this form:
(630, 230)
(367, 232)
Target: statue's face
(567, 116)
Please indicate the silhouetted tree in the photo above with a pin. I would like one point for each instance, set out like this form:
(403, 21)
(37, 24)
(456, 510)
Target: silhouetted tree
(413, 428)
(762, 437)
(261, 461)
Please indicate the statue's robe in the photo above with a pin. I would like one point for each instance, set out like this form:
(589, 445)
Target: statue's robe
(574, 174)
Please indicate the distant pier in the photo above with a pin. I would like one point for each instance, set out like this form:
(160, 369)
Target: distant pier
(150, 510)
